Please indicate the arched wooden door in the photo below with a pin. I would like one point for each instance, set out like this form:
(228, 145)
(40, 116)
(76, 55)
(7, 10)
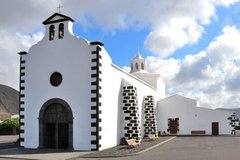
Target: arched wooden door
(55, 126)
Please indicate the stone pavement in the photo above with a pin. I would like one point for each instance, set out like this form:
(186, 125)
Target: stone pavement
(9, 150)
(8, 138)
(8, 141)
(39, 154)
(179, 148)
(125, 150)
(52, 154)
(190, 148)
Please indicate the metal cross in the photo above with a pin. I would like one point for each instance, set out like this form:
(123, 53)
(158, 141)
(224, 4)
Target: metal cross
(59, 8)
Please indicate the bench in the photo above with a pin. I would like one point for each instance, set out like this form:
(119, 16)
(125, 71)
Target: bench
(132, 143)
(198, 132)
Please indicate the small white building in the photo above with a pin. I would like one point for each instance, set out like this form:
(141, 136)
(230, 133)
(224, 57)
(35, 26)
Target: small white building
(73, 96)
(181, 115)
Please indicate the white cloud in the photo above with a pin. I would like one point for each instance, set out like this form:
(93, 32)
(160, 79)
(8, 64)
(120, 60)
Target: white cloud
(25, 16)
(10, 45)
(225, 2)
(211, 76)
(166, 68)
(126, 68)
(174, 23)
(166, 39)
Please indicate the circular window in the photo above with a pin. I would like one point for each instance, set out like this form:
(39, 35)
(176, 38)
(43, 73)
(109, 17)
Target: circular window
(56, 79)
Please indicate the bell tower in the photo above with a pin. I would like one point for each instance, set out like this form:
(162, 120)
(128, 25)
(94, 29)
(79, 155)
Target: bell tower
(58, 26)
(138, 64)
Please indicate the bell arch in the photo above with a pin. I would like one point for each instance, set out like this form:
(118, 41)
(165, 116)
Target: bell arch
(60, 31)
(51, 32)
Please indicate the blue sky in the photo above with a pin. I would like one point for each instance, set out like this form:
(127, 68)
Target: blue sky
(123, 45)
(225, 16)
(194, 45)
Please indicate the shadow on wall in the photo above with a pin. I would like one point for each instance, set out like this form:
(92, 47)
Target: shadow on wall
(120, 124)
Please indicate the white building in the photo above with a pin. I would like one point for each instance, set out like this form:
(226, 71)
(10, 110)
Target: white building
(180, 115)
(73, 96)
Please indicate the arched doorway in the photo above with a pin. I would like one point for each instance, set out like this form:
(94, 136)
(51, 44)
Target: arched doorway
(55, 125)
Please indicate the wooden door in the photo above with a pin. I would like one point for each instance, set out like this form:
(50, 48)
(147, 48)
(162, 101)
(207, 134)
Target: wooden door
(173, 126)
(50, 139)
(63, 135)
(56, 127)
(215, 128)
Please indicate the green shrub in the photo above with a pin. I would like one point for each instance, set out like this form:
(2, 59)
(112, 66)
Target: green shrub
(6, 127)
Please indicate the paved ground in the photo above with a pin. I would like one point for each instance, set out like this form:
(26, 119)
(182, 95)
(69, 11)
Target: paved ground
(52, 154)
(10, 150)
(124, 150)
(179, 148)
(7, 139)
(39, 154)
(190, 148)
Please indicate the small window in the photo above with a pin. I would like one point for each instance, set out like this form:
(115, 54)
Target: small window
(61, 31)
(51, 32)
(142, 66)
(131, 66)
(56, 79)
(136, 66)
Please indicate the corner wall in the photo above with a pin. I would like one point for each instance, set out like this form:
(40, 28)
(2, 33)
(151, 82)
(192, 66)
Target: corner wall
(112, 105)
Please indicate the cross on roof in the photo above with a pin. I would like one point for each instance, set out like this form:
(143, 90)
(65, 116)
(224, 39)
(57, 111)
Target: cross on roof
(59, 8)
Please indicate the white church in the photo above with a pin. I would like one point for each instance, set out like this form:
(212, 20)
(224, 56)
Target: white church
(72, 96)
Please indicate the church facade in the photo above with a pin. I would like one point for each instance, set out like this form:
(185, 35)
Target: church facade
(73, 96)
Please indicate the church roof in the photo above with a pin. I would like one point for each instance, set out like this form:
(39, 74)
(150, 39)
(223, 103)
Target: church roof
(138, 56)
(57, 17)
(176, 96)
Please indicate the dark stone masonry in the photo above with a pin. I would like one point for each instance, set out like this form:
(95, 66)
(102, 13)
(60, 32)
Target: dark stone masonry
(150, 123)
(131, 113)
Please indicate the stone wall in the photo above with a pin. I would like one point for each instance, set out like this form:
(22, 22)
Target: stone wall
(131, 113)
(150, 124)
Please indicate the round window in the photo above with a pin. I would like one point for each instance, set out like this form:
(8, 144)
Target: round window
(56, 79)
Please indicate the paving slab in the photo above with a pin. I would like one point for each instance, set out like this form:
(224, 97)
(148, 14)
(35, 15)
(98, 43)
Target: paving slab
(37, 154)
(190, 148)
(8, 138)
(125, 150)
(52, 154)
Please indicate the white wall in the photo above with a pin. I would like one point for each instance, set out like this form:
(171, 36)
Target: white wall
(153, 79)
(71, 57)
(190, 116)
(112, 122)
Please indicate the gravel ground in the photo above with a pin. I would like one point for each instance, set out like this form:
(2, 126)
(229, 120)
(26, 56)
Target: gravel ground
(124, 150)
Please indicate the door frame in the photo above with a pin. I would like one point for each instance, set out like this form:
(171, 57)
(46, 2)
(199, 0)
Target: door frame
(70, 121)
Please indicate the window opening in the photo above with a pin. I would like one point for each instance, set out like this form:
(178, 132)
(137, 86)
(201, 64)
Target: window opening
(61, 31)
(51, 32)
(136, 66)
(142, 66)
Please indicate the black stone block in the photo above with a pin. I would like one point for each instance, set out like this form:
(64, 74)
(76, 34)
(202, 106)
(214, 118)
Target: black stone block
(128, 118)
(126, 97)
(133, 121)
(127, 135)
(129, 131)
(130, 87)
